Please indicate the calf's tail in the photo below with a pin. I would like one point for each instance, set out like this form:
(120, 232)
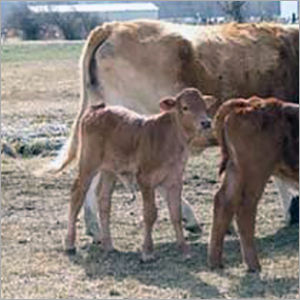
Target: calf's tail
(219, 127)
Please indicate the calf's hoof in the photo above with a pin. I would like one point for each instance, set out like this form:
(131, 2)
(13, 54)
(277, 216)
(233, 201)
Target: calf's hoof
(215, 267)
(214, 264)
(256, 268)
(107, 247)
(70, 251)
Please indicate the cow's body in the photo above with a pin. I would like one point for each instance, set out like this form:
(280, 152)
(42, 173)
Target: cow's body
(227, 61)
(258, 138)
(119, 143)
(135, 63)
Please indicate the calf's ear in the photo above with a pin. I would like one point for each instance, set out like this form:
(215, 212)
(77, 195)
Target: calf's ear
(212, 104)
(167, 104)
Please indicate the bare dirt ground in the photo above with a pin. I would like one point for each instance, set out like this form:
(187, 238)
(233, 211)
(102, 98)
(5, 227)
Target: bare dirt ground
(39, 99)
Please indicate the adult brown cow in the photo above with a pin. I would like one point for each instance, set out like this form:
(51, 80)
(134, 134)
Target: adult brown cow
(258, 138)
(118, 143)
(136, 63)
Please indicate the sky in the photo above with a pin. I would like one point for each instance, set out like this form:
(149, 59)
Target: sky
(288, 7)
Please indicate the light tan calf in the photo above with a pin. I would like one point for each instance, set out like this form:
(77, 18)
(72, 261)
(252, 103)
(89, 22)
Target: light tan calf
(118, 142)
(258, 138)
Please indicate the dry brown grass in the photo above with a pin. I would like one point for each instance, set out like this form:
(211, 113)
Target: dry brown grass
(34, 218)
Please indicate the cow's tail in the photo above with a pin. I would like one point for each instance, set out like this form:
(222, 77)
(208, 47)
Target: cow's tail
(90, 87)
(219, 127)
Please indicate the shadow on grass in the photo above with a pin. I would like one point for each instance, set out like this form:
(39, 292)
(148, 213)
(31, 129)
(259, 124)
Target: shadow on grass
(252, 285)
(285, 240)
(170, 271)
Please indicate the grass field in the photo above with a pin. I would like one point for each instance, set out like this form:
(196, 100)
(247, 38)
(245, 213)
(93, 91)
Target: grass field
(39, 101)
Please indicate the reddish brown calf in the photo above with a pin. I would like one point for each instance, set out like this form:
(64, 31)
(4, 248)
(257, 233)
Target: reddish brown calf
(258, 138)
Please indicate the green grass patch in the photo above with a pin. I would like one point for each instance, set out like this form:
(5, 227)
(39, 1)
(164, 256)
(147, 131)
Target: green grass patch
(40, 51)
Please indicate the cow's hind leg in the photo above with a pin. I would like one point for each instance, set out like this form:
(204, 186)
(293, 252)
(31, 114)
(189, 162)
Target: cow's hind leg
(106, 187)
(225, 202)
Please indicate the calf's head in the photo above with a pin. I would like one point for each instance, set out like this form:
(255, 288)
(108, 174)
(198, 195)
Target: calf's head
(190, 107)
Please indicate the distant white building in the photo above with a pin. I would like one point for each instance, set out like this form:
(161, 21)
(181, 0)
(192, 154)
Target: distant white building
(287, 9)
(106, 11)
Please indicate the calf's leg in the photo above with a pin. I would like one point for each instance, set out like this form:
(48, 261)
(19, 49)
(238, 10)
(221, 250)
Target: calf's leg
(246, 214)
(106, 187)
(246, 224)
(150, 216)
(78, 192)
(225, 201)
(91, 210)
(172, 194)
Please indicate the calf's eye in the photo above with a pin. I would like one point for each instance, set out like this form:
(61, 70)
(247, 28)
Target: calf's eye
(185, 108)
